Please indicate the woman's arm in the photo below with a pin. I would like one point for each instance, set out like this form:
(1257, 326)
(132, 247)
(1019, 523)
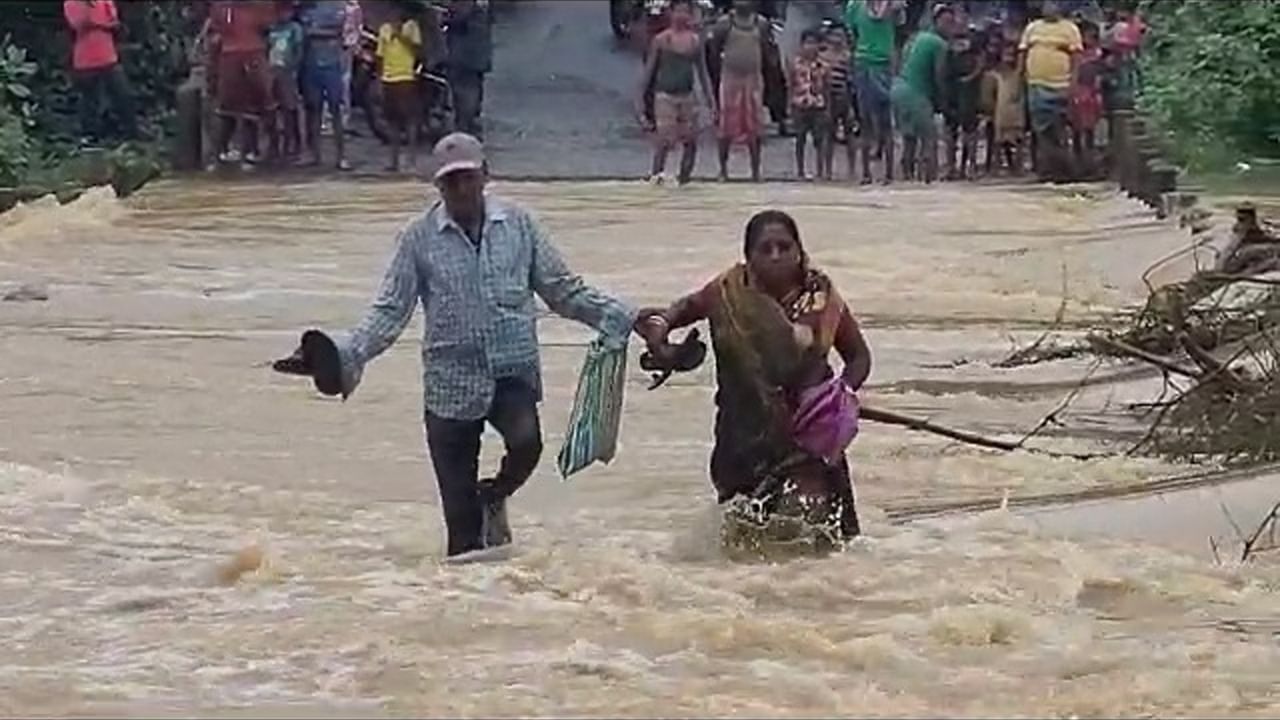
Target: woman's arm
(654, 324)
(853, 350)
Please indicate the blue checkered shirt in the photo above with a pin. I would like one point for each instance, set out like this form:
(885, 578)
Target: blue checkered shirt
(478, 304)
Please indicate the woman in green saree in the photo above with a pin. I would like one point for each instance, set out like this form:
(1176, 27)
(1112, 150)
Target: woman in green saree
(774, 322)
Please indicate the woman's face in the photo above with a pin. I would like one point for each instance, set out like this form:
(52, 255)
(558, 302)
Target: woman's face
(775, 256)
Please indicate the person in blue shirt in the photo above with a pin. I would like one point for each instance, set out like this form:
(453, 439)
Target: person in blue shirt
(322, 74)
(474, 263)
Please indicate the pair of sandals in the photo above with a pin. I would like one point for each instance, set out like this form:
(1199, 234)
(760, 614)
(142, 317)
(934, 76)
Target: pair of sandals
(317, 357)
(688, 356)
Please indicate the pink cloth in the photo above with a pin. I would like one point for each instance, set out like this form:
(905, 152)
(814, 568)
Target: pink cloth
(826, 419)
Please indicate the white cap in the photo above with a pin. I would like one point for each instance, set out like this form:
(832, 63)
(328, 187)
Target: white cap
(457, 151)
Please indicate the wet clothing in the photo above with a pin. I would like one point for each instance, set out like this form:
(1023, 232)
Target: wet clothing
(1049, 47)
(93, 24)
(454, 446)
(479, 346)
(478, 303)
(763, 368)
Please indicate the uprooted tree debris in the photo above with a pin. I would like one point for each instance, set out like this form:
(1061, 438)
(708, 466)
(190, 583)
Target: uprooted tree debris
(1213, 337)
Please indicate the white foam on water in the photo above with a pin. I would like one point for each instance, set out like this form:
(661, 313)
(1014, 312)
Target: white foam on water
(972, 616)
(45, 219)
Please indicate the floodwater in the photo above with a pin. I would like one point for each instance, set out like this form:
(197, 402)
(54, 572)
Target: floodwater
(186, 532)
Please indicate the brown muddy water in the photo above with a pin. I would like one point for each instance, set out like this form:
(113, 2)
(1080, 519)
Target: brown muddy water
(185, 532)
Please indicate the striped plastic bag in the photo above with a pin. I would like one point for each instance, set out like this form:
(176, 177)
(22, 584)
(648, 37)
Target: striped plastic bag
(597, 408)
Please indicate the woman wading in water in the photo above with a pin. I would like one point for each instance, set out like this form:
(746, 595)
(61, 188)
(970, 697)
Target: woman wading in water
(783, 416)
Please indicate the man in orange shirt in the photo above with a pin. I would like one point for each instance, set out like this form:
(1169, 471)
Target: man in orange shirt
(244, 80)
(97, 74)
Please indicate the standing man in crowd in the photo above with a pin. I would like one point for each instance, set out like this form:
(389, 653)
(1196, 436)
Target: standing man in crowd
(98, 77)
(739, 42)
(917, 94)
(675, 64)
(322, 68)
(244, 77)
(284, 55)
(474, 263)
(1050, 49)
(470, 43)
(873, 24)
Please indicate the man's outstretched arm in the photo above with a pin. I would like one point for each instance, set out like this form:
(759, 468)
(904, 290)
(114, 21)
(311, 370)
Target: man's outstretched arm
(569, 296)
(386, 317)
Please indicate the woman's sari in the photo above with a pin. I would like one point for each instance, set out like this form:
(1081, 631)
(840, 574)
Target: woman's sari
(767, 355)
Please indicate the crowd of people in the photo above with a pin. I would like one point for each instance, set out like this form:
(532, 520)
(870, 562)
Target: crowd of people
(276, 68)
(985, 92)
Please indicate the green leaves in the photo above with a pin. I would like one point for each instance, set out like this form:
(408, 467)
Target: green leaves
(1212, 77)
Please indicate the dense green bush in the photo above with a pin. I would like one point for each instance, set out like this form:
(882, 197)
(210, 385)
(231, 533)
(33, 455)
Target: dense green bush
(1211, 77)
(16, 110)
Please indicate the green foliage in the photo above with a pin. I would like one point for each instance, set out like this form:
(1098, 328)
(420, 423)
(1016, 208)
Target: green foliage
(1211, 77)
(15, 111)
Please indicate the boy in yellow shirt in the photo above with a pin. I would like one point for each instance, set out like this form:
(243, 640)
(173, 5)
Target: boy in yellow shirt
(398, 45)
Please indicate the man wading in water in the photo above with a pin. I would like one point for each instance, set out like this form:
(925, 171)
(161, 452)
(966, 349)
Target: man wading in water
(675, 58)
(474, 262)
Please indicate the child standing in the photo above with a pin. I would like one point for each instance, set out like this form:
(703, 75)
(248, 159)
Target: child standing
(398, 46)
(810, 89)
(284, 56)
(1008, 112)
(835, 54)
(1086, 98)
(322, 89)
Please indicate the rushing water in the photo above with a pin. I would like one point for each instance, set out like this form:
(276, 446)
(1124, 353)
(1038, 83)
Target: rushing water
(185, 532)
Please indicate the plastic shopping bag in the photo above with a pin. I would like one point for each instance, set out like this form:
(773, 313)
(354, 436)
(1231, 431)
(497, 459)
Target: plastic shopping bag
(597, 408)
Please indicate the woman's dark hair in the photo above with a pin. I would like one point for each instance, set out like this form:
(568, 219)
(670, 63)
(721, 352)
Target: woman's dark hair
(765, 218)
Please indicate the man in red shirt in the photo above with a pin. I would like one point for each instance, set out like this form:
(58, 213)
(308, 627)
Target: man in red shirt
(244, 80)
(97, 74)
